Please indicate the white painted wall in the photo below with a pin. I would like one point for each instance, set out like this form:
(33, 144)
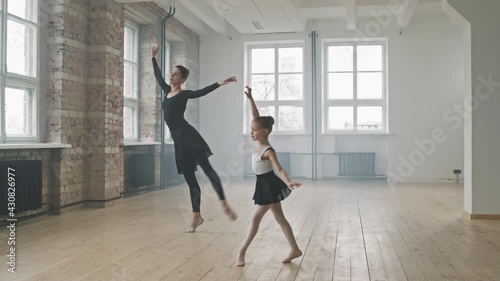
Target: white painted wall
(482, 134)
(425, 67)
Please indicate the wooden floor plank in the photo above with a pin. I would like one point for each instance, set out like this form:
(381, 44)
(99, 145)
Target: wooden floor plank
(347, 230)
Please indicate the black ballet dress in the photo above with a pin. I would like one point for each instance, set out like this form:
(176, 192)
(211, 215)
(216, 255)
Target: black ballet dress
(269, 188)
(188, 143)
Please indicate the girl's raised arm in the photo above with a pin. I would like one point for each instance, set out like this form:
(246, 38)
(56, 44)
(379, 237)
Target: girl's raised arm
(255, 111)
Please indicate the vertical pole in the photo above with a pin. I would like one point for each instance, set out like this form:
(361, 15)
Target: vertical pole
(314, 134)
(163, 67)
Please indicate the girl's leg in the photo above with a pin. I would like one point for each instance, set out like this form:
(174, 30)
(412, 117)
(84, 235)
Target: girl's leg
(295, 252)
(217, 185)
(195, 192)
(254, 227)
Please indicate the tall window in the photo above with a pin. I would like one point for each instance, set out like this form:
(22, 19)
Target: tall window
(18, 71)
(130, 81)
(355, 87)
(276, 75)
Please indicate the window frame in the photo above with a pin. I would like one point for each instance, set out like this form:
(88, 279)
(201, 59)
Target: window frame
(276, 102)
(133, 103)
(355, 103)
(19, 81)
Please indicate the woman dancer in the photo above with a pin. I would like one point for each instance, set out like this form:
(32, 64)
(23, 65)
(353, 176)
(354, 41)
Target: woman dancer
(191, 149)
(269, 189)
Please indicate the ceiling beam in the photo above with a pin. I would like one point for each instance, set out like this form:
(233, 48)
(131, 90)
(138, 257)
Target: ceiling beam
(207, 13)
(291, 10)
(350, 13)
(408, 10)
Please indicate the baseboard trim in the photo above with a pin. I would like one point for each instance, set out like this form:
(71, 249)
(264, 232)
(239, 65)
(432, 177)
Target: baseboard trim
(482, 216)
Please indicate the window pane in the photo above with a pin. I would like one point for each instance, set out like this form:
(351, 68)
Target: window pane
(262, 60)
(369, 118)
(129, 47)
(340, 86)
(263, 87)
(266, 111)
(340, 58)
(128, 122)
(291, 118)
(290, 87)
(21, 49)
(129, 80)
(369, 85)
(290, 60)
(370, 58)
(168, 135)
(25, 9)
(340, 118)
(18, 111)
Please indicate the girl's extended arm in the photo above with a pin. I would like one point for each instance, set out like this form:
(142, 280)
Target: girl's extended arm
(255, 111)
(271, 155)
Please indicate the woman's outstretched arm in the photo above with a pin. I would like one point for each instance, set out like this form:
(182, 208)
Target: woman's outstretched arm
(158, 74)
(255, 111)
(208, 89)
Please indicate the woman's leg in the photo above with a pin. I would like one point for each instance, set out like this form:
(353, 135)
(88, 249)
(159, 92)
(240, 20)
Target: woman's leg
(254, 227)
(195, 192)
(295, 252)
(217, 185)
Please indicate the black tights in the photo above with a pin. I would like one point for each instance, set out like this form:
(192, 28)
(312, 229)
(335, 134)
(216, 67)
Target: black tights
(194, 187)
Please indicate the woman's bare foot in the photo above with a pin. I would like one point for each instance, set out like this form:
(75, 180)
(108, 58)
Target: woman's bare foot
(294, 254)
(197, 221)
(240, 260)
(230, 213)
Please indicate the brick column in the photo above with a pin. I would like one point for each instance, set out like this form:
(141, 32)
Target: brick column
(66, 89)
(105, 99)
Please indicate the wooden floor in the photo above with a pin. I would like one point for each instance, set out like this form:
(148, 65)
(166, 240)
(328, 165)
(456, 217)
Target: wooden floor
(348, 230)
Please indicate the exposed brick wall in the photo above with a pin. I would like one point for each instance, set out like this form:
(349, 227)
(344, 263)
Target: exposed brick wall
(81, 62)
(105, 99)
(66, 94)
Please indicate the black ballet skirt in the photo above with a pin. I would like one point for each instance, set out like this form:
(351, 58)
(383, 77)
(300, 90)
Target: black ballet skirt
(270, 189)
(188, 143)
(189, 146)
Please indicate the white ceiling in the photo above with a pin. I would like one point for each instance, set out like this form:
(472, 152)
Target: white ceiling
(275, 16)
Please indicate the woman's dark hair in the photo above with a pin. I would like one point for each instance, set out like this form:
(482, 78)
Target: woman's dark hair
(184, 71)
(265, 122)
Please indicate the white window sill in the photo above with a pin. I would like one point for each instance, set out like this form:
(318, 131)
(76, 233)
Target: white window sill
(139, 143)
(34, 146)
(357, 134)
(276, 134)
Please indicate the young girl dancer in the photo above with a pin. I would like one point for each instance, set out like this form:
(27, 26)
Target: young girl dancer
(191, 149)
(269, 189)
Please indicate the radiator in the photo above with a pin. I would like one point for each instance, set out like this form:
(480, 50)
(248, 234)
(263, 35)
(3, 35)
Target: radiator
(139, 170)
(356, 164)
(284, 159)
(28, 185)
(171, 177)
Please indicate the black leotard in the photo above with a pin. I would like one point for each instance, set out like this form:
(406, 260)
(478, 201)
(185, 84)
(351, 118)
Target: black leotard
(189, 144)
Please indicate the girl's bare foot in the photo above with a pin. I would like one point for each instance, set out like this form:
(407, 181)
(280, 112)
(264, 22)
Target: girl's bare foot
(197, 221)
(294, 254)
(240, 260)
(230, 213)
